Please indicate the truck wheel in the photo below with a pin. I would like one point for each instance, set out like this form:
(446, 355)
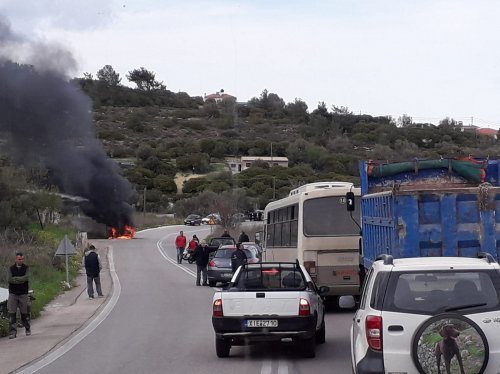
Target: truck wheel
(222, 347)
(321, 333)
(307, 347)
(212, 283)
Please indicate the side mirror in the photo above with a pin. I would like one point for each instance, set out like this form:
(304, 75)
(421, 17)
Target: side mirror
(347, 302)
(349, 200)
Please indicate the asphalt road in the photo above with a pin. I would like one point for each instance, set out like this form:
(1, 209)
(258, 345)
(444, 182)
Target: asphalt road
(161, 323)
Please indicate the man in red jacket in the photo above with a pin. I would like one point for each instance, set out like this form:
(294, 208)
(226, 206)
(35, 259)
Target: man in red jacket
(180, 244)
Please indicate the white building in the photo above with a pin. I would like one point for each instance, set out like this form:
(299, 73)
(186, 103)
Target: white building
(238, 164)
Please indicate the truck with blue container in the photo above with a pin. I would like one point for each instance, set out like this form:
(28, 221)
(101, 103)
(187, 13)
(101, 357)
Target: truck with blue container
(422, 208)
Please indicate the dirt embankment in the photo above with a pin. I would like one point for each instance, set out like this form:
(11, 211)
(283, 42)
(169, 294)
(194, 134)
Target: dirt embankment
(180, 178)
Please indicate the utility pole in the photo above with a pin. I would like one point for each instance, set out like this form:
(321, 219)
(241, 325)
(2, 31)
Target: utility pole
(274, 188)
(144, 204)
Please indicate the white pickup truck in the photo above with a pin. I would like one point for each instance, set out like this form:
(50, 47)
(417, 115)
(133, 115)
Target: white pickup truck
(270, 301)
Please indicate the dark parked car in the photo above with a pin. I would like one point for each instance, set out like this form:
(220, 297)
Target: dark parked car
(219, 268)
(192, 220)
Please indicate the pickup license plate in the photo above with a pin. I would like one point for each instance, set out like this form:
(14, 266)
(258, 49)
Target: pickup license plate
(261, 323)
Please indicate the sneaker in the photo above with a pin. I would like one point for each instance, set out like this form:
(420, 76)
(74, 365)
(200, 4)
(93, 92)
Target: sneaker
(91, 297)
(205, 284)
(28, 332)
(100, 295)
(12, 335)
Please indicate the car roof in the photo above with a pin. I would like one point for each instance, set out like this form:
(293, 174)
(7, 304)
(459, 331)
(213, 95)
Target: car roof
(436, 263)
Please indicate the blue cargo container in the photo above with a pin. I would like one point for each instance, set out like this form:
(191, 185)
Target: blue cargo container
(431, 212)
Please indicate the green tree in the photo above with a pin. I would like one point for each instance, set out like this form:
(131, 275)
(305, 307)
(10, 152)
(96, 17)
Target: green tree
(109, 76)
(145, 80)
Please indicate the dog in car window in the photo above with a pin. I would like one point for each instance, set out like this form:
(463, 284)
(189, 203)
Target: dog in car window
(448, 348)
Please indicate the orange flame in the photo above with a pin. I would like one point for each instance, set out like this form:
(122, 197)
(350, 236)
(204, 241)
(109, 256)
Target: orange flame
(128, 232)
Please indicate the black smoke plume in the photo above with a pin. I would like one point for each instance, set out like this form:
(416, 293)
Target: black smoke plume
(48, 121)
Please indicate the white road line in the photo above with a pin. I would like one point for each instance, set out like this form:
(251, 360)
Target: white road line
(282, 367)
(267, 367)
(163, 252)
(51, 357)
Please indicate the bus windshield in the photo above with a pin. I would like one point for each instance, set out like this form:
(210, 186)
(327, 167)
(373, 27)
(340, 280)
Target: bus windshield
(328, 216)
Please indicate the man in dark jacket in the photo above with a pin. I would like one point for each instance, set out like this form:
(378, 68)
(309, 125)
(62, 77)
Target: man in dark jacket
(18, 279)
(93, 267)
(238, 257)
(243, 237)
(201, 255)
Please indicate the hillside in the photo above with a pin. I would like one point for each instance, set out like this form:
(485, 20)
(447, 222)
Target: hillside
(163, 133)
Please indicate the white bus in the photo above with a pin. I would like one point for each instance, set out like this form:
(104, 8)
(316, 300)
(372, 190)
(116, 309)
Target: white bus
(314, 226)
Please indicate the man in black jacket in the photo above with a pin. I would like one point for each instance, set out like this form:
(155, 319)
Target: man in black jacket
(93, 267)
(201, 254)
(18, 279)
(243, 237)
(238, 257)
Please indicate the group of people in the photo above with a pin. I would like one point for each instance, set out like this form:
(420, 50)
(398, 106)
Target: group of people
(201, 253)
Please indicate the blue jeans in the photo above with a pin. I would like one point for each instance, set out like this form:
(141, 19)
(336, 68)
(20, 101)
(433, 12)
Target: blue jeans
(201, 270)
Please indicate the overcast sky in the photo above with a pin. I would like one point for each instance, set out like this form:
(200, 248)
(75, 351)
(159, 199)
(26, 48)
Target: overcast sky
(429, 59)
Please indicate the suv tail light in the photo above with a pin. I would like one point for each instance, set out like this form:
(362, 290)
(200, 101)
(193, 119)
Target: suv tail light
(211, 263)
(217, 308)
(304, 308)
(374, 332)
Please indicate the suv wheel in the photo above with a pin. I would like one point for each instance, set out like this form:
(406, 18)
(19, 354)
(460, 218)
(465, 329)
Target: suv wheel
(222, 347)
(212, 283)
(321, 333)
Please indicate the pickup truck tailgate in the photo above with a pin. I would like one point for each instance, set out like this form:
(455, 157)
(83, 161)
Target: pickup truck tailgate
(260, 303)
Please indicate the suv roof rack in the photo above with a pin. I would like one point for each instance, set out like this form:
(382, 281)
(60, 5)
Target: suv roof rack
(487, 256)
(388, 259)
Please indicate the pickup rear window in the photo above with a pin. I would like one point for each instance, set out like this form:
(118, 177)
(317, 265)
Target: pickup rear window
(271, 278)
(442, 291)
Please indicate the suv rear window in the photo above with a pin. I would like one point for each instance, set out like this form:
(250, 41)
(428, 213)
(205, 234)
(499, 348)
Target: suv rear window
(442, 291)
(226, 253)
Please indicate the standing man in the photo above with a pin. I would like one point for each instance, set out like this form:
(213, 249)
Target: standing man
(93, 267)
(243, 237)
(18, 295)
(180, 244)
(202, 255)
(225, 234)
(238, 257)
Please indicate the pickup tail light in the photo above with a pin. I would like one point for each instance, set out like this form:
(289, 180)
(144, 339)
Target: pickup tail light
(304, 308)
(374, 332)
(217, 308)
(211, 263)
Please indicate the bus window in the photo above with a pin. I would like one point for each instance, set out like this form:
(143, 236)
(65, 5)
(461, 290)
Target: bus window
(327, 216)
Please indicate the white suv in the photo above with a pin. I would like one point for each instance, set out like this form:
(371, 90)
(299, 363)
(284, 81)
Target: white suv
(428, 315)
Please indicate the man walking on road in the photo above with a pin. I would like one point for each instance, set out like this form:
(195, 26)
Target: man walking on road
(18, 279)
(93, 267)
(180, 244)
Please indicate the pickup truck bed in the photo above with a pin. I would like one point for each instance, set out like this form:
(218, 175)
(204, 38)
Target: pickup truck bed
(266, 302)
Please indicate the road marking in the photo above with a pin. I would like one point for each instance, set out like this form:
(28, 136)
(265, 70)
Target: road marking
(163, 252)
(282, 367)
(267, 367)
(51, 357)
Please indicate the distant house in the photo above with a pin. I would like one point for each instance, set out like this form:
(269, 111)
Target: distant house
(219, 96)
(238, 164)
(488, 132)
(470, 128)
